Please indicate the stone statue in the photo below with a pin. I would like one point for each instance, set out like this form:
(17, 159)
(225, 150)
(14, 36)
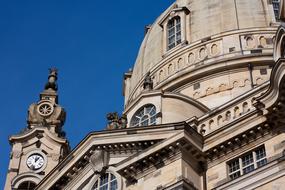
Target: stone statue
(113, 121)
(123, 121)
(148, 83)
(116, 122)
(51, 84)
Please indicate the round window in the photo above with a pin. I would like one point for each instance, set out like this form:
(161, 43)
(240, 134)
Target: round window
(45, 109)
(145, 116)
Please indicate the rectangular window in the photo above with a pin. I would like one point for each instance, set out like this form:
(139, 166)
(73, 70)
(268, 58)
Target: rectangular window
(234, 169)
(276, 4)
(174, 32)
(247, 163)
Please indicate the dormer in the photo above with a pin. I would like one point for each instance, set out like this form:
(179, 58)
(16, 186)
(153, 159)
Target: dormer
(175, 28)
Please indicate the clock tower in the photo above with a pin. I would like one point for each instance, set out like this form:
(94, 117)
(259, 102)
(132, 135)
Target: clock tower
(42, 145)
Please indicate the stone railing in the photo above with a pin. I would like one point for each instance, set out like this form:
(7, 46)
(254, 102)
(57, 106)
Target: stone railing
(224, 117)
(227, 114)
(206, 52)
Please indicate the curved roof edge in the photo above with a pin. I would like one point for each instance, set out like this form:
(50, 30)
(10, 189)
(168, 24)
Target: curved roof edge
(277, 77)
(35, 130)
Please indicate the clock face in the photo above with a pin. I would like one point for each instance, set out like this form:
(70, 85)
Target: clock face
(35, 161)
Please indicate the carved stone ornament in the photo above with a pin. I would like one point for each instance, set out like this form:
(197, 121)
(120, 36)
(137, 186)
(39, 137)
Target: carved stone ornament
(116, 122)
(148, 83)
(51, 84)
(16, 154)
(99, 161)
(55, 157)
(45, 109)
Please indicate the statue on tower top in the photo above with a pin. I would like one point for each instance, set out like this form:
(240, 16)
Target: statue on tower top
(52, 78)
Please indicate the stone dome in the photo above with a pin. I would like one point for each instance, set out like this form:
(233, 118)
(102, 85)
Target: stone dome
(225, 49)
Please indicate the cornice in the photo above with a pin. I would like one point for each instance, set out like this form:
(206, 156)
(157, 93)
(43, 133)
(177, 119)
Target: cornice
(173, 9)
(79, 157)
(161, 153)
(30, 133)
(271, 96)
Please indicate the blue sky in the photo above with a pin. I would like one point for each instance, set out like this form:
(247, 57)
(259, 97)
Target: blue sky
(92, 43)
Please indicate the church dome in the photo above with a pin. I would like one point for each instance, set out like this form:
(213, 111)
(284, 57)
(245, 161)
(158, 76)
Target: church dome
(210, 51)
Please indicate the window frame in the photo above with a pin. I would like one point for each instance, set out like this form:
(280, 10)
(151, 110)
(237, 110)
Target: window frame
(108, 182)
(174, 31)
(249, 160)
(30, 185)
(184, 14)
(276, 8)
(151, 118)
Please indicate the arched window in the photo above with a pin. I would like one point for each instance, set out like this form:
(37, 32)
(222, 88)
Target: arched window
(145, 116)
(174, 32)
(27, 185)
(106, 182)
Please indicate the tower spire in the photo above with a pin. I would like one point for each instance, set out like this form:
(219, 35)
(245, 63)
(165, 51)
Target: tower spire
(42, 145)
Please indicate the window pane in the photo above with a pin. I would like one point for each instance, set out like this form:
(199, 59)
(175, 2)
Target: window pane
(113, 185)
(260, 153)
(276, 7)
(171, 46)
(262, 162)
(177, 20)
(170, 23)
(112, 177)
(153, 120)
(234, 166)
(247, 160)
(144, 123)
(104, 179)
(248, 169)
(152, 111)
(171, 31)
(235, 175)
(178, 27)
(105, 187)
(106, 182)
(178, 42)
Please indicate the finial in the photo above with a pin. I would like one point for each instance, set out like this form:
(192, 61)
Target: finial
(52, 78)
(148, 83)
